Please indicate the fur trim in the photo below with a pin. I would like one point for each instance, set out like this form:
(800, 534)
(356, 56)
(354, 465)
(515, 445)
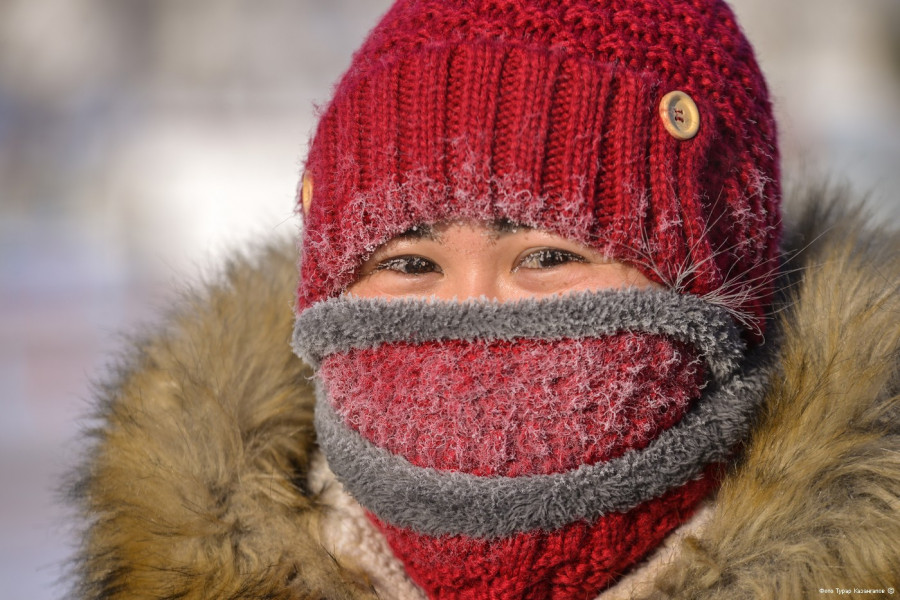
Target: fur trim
(196, 482)
(815, 502)
(339, 324)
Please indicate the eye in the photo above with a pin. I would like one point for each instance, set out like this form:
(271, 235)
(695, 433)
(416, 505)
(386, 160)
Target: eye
(408, 265)
(547, 258)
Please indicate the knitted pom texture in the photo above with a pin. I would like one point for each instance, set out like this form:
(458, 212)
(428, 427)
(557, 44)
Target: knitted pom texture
(546, 113)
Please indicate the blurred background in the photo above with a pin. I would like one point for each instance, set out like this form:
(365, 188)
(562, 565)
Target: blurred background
(140, 140)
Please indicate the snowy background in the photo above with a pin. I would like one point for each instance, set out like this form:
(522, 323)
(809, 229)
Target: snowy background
(142, 139)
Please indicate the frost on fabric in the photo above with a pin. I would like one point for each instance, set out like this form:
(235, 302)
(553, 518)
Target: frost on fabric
(514, 408)
(339, 244)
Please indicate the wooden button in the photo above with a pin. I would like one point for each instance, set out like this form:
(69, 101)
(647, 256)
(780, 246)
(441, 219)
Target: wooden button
(679, 115)
(306, 193)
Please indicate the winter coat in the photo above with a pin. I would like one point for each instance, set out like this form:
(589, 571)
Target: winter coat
(203, 479)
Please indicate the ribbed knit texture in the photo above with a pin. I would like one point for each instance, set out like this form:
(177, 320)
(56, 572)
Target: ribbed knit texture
(572, 563)
(546, 113)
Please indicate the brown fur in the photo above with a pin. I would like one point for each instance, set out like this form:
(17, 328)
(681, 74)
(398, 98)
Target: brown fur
(815, 501)
(195, 483)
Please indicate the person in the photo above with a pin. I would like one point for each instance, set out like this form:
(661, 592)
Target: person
(558, 341)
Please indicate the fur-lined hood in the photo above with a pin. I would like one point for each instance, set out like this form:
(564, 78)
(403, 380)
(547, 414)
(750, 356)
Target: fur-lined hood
(197, 479)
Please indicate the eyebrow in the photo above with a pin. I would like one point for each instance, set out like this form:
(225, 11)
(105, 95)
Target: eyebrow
(418, 232)
(498, 227)
(506, 226)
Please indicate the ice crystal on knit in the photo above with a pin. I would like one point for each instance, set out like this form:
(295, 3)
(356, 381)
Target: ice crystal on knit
(514, 408)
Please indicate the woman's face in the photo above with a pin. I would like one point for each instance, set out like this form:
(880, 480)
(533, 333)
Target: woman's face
(502, 261)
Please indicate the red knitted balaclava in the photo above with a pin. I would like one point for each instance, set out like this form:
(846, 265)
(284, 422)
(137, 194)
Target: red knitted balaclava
(538, 449)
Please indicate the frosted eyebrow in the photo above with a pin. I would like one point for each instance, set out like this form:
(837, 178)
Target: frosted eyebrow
(498, 227)
(507, 226)
(418, 232)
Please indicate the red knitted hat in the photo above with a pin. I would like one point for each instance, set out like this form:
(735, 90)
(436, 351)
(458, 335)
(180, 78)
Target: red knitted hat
(555, 114)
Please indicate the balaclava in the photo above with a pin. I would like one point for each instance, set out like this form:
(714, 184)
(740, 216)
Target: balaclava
(538, 449)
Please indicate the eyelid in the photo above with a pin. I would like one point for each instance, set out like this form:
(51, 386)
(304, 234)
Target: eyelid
(392, 249)
(382, 264)
(570, 255)
(398, 260)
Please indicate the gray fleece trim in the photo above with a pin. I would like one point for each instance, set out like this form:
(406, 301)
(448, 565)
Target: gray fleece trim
(439, 502)
(339, 324)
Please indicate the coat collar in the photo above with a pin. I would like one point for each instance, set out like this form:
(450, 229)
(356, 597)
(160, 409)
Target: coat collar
(195, 482)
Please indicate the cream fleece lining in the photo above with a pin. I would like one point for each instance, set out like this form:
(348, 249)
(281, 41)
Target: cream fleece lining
(352, 539)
